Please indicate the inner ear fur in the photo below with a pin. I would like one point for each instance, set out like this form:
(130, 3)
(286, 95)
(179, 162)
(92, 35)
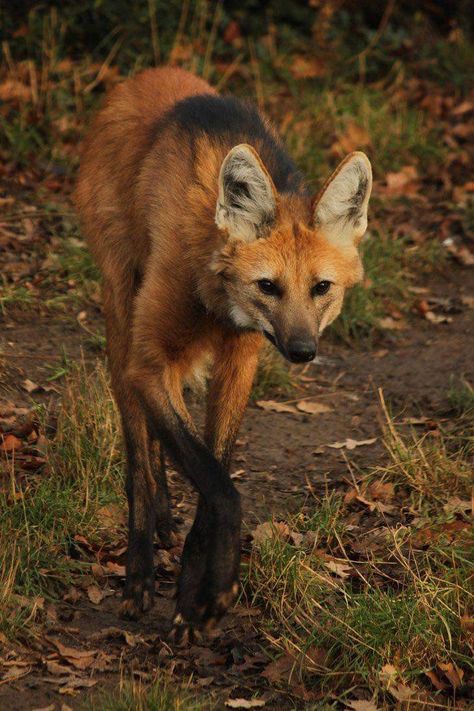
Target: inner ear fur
(340, 208)
(247, 198)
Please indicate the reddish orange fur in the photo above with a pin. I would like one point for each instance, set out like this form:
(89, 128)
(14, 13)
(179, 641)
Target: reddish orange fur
(147, 204)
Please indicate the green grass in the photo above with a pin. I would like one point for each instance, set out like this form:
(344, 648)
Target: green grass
(161, 695)
(390, 267)
(320, 123)
(14, 296)
(400, 604)
(461, 398)
(39, 519)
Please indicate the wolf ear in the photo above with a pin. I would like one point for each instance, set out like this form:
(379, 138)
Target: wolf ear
(340, 209)
(246, 205)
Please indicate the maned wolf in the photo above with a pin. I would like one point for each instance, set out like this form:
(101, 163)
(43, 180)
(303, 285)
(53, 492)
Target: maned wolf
(208, 242)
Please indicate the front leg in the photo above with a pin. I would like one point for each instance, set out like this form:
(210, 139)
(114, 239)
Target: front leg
(234, 372)
(206, 588)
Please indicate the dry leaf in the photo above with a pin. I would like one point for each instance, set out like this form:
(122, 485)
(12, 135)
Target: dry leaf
(436, 681)
(456, 505)
(459, 252)
(15, 672)
(10, 443)
(361, 705)
(352, 443)
(274, 406)
(115, 568)
(79, 658)
(57, 669)
(391, 324)
(312, 408)
(279, 670)
(388, 674)
(354, 138)
(381, 491)
(405, 182)
(30, 386)
(111, 516)
(267, 531)
(74, 683)
(95, 594)
(452, 672)
(339, 569)
(307, 67)
(437, 318)
(245, 703)
(401, 692)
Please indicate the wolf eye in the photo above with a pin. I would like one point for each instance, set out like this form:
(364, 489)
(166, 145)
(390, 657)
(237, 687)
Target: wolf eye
(268, 287)
(322, 287)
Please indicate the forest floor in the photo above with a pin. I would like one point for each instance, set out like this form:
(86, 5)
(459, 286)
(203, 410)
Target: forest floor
(355, 471)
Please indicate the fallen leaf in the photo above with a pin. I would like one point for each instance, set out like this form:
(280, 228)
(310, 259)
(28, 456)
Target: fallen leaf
(361, 705)
(463, 108)
(456, 505)
(436, 681)
(274, 406)
(391, 324)
(74, 683)
(354, 138)
(404, 182)
(452, 672)
(269, 530)
(15, 672)
(10, 443)
(459, 252)
(111, 516)
(95, 594)
(437, 318)
(307, 67)
(401, 692)
(245, 703)
(132, 639)
(79, 658)
(279, 670)
(339, 569)
(57, 669)
(30, 386)
(388, 674)
(115, 568)
(312, 408)
(381, 491)
(352, 443)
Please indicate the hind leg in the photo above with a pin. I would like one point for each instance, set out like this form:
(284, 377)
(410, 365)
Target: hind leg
(163, 517)
(141, 486)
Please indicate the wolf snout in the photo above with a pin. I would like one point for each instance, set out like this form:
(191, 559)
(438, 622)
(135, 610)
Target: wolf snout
(301, 350)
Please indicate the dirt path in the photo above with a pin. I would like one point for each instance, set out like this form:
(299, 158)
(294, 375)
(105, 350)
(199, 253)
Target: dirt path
(280, 459)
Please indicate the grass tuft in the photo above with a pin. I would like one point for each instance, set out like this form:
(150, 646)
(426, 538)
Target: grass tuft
(40, 517)
(342, 612)
(161, 695)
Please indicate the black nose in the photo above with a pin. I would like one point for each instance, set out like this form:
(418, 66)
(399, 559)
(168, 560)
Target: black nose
(301, 351)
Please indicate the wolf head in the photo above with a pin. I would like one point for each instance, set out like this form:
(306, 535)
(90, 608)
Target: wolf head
(285, 274)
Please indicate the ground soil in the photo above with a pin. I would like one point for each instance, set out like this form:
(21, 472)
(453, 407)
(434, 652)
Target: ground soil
(281, 460)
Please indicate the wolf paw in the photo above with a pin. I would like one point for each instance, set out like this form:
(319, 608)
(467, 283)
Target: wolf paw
(136, 602)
